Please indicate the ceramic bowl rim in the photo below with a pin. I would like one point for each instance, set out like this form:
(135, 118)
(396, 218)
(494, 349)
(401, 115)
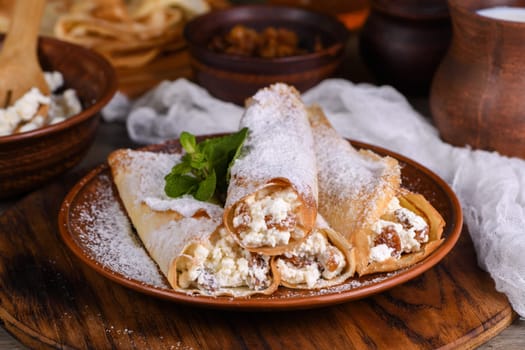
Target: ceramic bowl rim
(471, 12)
(331, 51)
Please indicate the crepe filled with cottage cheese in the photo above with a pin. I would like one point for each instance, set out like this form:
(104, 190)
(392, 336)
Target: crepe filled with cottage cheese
(303, 210)
(184, 236)
(406, 232)
(271, 204)
(360, 196)
(323, 260)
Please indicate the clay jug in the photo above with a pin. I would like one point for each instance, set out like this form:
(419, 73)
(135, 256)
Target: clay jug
(403, 41)
(477, 96)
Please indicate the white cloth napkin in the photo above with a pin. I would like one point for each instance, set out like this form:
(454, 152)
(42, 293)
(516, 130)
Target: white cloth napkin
(491, 187)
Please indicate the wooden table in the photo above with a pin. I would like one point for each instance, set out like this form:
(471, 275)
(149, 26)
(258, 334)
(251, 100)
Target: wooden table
(112, 136)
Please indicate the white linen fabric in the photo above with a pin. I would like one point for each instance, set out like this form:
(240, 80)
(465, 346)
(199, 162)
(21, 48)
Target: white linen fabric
(491, 187)
(170, 108)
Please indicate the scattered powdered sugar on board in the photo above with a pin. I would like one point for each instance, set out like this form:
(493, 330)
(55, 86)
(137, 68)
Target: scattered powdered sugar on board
(108, 235)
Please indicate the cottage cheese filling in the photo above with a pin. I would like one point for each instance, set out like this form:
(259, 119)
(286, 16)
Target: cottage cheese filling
(22, 115)
(224, 265)
(399, 231)
(268, 218)
(311, 261)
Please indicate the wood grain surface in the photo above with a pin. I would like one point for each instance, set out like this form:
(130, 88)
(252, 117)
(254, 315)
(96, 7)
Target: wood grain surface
(135, 82)
(49, 299)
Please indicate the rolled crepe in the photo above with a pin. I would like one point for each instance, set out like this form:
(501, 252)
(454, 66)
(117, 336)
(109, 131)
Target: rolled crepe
(220, 266)
(271, 203)
(359, 191)
(323, 260)
(408, 231)
(172, 230)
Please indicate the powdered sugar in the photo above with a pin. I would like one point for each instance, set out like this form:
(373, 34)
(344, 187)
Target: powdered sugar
(186, 205)
(155, 166)
(110, 240)
(348, 175)
(349, 285)
(108, 237)
(167, 242)
(344, 171)
(149, 186)
(279, 144)
(139, 177)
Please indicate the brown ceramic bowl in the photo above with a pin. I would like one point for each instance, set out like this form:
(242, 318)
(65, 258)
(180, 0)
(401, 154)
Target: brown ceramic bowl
(29, 159)
(234, 78)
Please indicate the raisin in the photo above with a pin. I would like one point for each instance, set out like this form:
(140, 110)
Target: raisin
(330, 262)
(207, 281)
(422, 235)
(389, 237)
(285, 225)
(243, 212)
(297, 262)
(257, 261)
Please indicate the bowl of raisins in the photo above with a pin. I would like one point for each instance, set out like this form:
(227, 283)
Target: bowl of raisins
(238, 50)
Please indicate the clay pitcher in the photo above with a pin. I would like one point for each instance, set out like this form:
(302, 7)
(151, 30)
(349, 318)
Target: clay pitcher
(403, 42)
(477, 95)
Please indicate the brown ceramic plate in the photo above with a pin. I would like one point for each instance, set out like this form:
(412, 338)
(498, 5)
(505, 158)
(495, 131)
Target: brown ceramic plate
(107, 246)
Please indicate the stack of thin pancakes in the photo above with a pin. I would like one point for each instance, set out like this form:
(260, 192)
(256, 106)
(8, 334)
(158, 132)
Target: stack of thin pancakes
(303, 210)
(129, 33)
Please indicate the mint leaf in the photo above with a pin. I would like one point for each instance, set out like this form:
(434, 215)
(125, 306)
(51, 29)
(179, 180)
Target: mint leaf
(179, 169)
(222, 152)
(204, 170)
(188, 142)
(198, 161)
(179, 185)
(206, 188)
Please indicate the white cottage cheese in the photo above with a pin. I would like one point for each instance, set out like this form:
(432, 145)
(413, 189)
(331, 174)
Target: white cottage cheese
(402, 227)
(380, 252)
(268, 220)
(225, 265)
(311, 261)
(22, 115)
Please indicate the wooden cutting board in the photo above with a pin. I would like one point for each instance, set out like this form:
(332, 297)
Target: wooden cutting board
(48, 299)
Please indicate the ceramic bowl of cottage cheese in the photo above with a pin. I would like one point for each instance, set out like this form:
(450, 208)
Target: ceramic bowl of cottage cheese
(34, 150)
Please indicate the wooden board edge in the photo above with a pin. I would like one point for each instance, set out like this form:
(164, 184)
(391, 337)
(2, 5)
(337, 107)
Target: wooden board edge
(24, 334)
(486, 331)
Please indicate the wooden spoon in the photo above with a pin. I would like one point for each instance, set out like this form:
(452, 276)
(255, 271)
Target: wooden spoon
(19, 66)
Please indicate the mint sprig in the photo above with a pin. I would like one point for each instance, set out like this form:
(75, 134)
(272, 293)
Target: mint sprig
(204, 170)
